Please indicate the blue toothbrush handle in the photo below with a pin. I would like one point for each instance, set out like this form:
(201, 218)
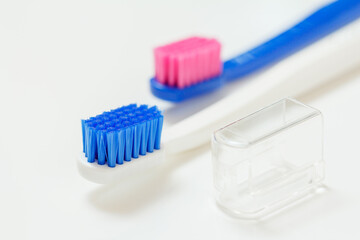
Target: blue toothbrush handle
(319, 24)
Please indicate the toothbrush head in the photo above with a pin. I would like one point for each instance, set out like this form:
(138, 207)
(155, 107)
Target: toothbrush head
(187, 62)
(102, 174)
(187, 68)
(121, 134)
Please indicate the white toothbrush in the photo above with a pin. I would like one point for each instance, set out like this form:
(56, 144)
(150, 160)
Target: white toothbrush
(321, 62)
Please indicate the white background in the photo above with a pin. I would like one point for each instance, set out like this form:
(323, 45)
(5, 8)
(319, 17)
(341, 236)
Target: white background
(65, 60)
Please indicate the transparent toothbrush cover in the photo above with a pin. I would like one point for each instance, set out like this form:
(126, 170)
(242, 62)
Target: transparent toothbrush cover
(268, 160)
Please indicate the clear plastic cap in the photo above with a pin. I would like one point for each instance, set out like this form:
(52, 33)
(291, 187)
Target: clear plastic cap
(269, 159)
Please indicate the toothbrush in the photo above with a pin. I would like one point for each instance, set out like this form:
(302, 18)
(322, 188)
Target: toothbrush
(192, 67)
(299, 74)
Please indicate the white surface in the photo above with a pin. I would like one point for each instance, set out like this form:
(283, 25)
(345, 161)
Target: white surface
(61, 61)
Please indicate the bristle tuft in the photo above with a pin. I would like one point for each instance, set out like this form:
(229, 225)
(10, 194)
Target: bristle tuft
(122, 134)
(187, 62)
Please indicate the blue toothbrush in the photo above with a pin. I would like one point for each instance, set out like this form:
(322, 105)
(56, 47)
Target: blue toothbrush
(181, 67)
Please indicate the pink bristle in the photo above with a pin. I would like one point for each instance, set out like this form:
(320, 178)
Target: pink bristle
(197, 66)
(192, 68)
(158, 66)
(218, 66)
(161, 64)
(172, 71)
(202, 64)
(181, 72)
(186, 70)
(187, 62)
(215, 50)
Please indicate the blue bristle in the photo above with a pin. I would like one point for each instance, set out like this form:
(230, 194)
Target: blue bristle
(155, 125)
(91, 145)
(136, 145)
(121, 151)
(83, 133)
(101, 146)
(87, 123)
(147, 133)
(105, 118)
(121, 134)
(153, 109)
(142, 150)
(128, 143)
(150, 147)
(112, 147)
(158, 132)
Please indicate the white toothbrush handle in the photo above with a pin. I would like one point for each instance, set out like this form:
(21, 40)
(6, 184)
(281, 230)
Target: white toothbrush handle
(298, 74)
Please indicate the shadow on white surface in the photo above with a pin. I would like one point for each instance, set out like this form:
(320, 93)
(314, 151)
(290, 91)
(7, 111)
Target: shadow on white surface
(141, 191)
(306, 211)
(182, 110)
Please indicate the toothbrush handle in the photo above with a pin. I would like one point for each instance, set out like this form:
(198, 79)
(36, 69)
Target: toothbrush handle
(301, 73)
(318, 25)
